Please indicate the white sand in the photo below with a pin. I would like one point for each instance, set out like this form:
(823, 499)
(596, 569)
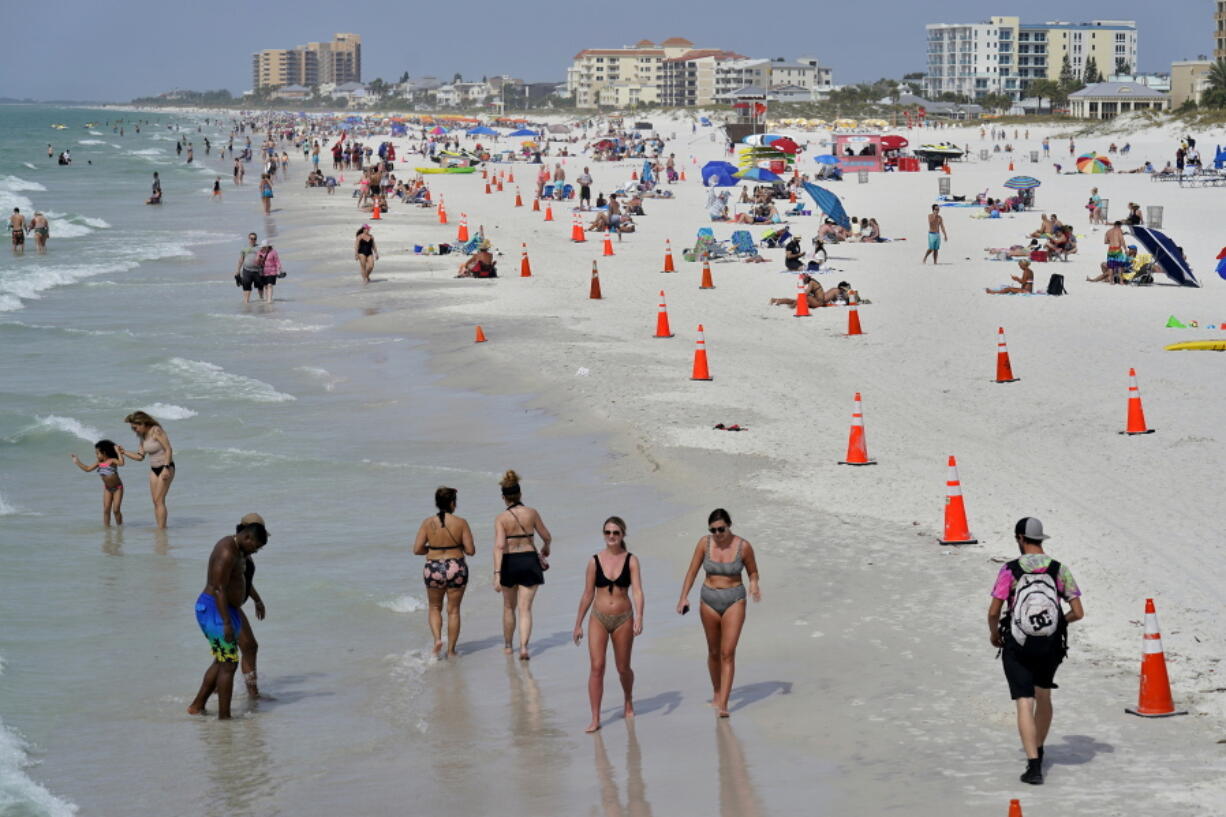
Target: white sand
(879, 632)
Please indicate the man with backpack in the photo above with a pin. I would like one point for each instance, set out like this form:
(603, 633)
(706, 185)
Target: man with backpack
(1032, 634)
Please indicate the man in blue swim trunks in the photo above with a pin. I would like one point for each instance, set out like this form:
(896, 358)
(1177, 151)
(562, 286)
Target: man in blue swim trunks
(226, 590)
(936, 229)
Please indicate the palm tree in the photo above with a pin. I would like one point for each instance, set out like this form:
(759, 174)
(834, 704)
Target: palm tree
(1217, 76)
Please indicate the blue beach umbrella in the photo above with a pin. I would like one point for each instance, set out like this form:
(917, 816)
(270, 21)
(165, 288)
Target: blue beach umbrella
(758, 174)
(522, 132)
(1169, 256)
(482, 130)
(1022, 183)
(826, 159)
(719, 174)
(829, 204)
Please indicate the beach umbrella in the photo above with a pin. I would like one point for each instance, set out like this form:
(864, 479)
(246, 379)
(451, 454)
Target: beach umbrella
(438, 130)
(893, 142)
(1167, 254)
(758, 174)
(522, 132)
(482, 130)
(826, 159)
(785, 145)
(1022, 183)
(719, 174)
(1093, 163)
(829, 204)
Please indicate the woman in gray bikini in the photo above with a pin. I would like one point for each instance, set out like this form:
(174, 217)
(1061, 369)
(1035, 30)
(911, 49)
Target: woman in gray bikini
(445, 539)
(616, 571)
(155, 445)
(519, 568)
(723, 555)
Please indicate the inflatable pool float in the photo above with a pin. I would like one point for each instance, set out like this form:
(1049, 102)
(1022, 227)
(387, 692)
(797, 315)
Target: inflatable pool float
(469, 169)
(1197, 345)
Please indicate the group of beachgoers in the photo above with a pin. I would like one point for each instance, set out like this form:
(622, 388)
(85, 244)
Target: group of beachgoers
(109, 457)
(37, 225)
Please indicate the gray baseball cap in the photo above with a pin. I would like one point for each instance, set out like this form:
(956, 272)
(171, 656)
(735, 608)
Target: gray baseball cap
(1030, 528)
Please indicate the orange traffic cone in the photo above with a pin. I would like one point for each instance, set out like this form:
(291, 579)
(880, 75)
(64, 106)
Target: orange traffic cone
(634, 175)
(499, 184)
(375, 214)
(946, 169)
(1136, 414)
(957, 532)
(608, 243)
(548, 212)
(853, 317)
(1015, 808)
(485, 173)
(683, 174)
(442, 211)
(576, 230)
(536, 205)
(701, 372)
(511, 177)
(1010, 164)
(525, 268)
(519, 200)
(487, 188)
(461, 234)
(792, 196)
(857, 445)
(480, 335)
(1004, 370)
(662, 328)
(802, 300)
(1154, 700)
(668, 256)
(594, 291)
(707, 283)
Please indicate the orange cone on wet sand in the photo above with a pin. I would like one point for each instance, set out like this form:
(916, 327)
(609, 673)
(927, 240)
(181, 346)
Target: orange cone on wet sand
(375, 214)
(1004, 369)
(701, 371)
(957, 532)
(442, 211)
(662, 328)
(461, 234)
(548, 212)
(525, 268)
(519, 200)
(1155, 699)
(1015, 808)
(608, 243)
(1136, 414)
(594, 292)
(853, 316)
(857, 445)
(668, 257)
(802, 300)
(480, 335)
(707, 283)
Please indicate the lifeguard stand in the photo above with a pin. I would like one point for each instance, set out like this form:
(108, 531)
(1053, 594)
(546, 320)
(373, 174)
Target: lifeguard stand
(748, 113)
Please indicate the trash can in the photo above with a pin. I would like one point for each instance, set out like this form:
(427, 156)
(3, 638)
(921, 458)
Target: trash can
(1105, 206)
(1034, 156)
(863, 176)
(943, 186)
(983, 155)
(1153, 217)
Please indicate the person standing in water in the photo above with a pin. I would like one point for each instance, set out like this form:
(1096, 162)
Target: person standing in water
(42, 231)
(108, 462)
(266, 192)
(723, 555)
(155, 445)
(615, 570)
(219, 616)
(248, 647)
(519, 568)
(445, 539)
(365, 252)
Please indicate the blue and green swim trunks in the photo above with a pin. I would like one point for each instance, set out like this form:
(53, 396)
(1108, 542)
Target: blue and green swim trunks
(213, 627)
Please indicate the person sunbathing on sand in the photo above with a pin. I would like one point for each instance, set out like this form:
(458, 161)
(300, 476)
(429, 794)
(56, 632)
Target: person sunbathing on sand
(815, 295)
(1025, 282)
(480, 265)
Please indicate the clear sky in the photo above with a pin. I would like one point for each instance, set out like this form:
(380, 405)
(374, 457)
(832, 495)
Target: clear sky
(90, 50)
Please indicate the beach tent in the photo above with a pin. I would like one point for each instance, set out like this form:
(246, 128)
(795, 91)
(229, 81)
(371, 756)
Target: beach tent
(829, 204)
(522, 132)
(559, 128)
(1168, 256)
(719, 174)
(481, 130)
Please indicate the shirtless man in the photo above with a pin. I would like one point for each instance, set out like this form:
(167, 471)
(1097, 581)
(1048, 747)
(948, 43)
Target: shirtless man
(17, 225)
(42, 231)
(936, 229)
(247, 645)
(1117, 258)
(225, 590)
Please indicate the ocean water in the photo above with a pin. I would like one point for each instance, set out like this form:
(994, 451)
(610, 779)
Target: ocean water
(337, 438)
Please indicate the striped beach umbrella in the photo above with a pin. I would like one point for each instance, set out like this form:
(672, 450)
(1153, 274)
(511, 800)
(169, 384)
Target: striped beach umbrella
(1093, 163)
(1022, 183)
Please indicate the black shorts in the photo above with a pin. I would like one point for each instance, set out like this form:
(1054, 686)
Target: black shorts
(585, 193)
(252, 278)
(521, 569)
(1025, 672)
(268, 280)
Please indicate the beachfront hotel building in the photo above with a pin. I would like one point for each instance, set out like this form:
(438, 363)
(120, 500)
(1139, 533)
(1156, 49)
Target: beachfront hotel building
(1219, 31)
(1002, 55)
(335, 62)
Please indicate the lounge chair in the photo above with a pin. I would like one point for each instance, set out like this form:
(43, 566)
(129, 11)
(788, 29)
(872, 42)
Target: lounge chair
(743, 246)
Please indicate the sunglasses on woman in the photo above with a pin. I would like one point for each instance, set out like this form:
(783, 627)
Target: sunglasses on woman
(719, 529)
(612, 533)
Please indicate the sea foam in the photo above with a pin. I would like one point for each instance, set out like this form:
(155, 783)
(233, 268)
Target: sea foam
(19, 794)
(169, 411)
(203, 380)
(68, 425)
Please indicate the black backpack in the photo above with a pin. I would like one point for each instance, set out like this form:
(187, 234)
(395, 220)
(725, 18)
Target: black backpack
(1055, 286)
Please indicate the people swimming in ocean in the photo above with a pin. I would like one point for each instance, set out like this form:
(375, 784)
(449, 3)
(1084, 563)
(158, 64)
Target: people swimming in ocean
(108, 461)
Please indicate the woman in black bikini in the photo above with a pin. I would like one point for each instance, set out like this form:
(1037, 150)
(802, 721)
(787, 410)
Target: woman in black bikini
(445, 539)
(365, 252)
(519, 569)
(615, 570)
(155, 445)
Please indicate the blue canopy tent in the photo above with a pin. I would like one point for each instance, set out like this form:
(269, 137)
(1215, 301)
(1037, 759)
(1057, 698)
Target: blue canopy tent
(829, 204)
(398, 129)
(481, 130)
(522, 132)
(704, 121)
(719, 174)
(1167, 255)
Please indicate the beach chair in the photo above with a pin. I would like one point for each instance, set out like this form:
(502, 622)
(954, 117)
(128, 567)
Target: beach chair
(742, 245)
(774, 239)
(708, 248)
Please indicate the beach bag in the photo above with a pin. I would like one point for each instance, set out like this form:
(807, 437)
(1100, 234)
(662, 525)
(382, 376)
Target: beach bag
(1055, 285)
(1035, 620)
(1038, 255)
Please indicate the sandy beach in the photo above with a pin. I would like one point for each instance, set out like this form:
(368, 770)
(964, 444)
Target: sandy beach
(890, 683)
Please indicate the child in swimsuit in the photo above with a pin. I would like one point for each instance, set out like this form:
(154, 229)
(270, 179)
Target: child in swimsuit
(108, 461)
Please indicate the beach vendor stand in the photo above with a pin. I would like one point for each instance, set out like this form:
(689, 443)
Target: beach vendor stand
(859, 151)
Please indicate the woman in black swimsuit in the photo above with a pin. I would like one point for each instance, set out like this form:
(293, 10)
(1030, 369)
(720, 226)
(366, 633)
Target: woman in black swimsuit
(365, 252)
(613, 618)
(445, 539)
(519, 569)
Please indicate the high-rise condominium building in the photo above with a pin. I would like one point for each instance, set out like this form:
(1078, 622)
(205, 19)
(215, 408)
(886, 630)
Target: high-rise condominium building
(338, 61)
